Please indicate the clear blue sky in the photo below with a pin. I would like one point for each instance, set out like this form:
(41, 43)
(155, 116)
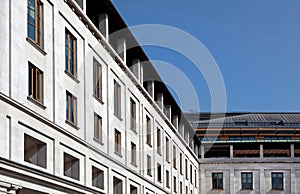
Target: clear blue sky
(256, 44)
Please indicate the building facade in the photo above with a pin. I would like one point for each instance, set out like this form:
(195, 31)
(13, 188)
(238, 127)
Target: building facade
(83, 111)
(249, 152)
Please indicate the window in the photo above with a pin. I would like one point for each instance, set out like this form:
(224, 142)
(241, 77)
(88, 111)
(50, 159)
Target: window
(167, 149)
(132, 115)
(191, 174)
(277, 180)
(117, 99)
(180, 167)
(133, 153)
(133, 190)
(35, 21)
(98, 127)
(247, 180)
(186, 169)
(148, 131)
(35, 151)
(97, 79)
(71, 166)
(167, 179)
(174, 184)
(118, 186)
(181, 192)
(97, 178)
(174, 157)
(195, 173)
(186, 189)
(71, 53)
(149, 165)
(71, 108)
(217, 180)
(35, 83)
(159, 178)
(158, 140)
(117, 141)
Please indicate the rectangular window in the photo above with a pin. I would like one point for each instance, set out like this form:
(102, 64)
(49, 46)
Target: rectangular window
(159, 177)
(117, 99)
(174, 184)
(98, 127)
(97, 79)
(217, 180)
(149, 165)
(174, 157)
(158, 140)
(71, 108)
(186, 190)
(167, 179)
(277, 180)
(97, 178)
(118, 186)
(247, 180)
(133, 153)
(35, 83)
(186, 169)
(133, 190)
(117, 141)
(35, 21)
(132, 115)
(195, 173)
(191, 174)
(180, 160)
(148, 131)
(71, 166)
(35, 151)
(71, 53)
(181, 192)
(167, 149)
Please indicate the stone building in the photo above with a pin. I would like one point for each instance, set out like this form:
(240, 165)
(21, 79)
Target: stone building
(248, 152)
(82, 111)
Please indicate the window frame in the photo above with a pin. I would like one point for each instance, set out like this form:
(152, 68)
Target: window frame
(97, 79)
(246, 187)
(118, 142)
(158, 140)
(35, 83)
(71, 110)
(70, 60)
(216, 187)
(38, 24)
(174, 157)
(277, 181)
(133, 115)
(98, 135)
(148, 131)
(117, 99)
(149, 166)
(133, 154)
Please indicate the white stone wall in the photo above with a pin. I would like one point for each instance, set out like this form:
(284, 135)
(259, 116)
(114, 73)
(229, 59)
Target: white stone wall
(20, 116)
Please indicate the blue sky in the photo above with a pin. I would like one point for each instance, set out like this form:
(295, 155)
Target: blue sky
(256, 44)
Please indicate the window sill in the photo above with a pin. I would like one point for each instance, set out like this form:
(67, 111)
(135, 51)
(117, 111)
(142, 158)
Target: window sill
(119, 117)
(98, 141)
(72, 124)
(159, 153)
(36, 102)
(150, 175)
(72, 77)
(247, 189)
(149, 145)
(119, 154)
(98, 99)
(35, 45)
